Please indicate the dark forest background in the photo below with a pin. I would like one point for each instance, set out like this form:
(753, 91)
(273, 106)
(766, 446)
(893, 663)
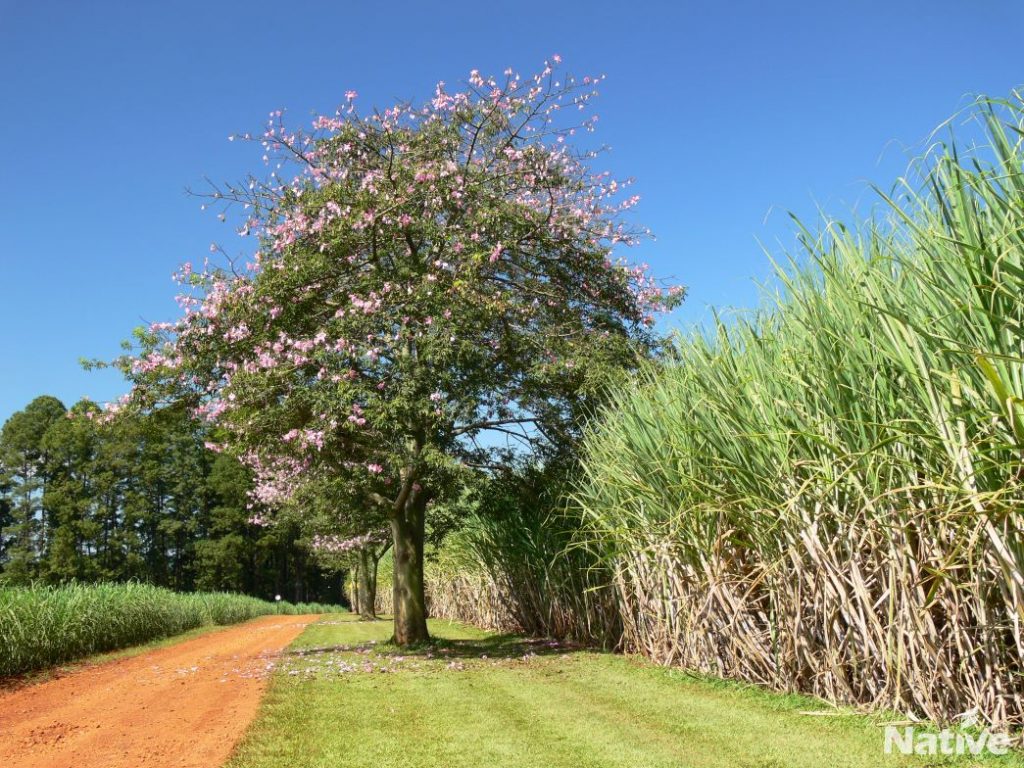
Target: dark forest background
(143, 499)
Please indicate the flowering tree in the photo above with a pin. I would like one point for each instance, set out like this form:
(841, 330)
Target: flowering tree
(348, 532)
(361, 555)
(427, 279)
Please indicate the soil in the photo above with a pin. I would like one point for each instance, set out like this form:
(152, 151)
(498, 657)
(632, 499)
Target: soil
(180, 706)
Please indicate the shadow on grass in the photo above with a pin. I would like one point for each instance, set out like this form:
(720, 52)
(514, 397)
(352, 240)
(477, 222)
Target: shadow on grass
(505, 646)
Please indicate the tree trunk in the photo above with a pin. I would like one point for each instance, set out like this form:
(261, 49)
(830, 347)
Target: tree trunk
(371, 584)
(407, 528)
(357, 598)
(366, 585)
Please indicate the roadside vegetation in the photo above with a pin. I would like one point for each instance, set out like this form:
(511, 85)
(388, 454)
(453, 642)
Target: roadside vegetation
(824, 495)
(44, 626)
(827, 495)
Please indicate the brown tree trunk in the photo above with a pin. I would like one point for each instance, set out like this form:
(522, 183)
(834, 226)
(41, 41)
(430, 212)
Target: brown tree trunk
(366, 585)
(356, 597)
(407, 528)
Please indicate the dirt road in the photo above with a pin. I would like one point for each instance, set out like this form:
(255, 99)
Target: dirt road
(185, 705)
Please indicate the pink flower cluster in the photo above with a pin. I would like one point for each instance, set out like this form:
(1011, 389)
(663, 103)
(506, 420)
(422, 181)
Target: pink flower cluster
(337, 545)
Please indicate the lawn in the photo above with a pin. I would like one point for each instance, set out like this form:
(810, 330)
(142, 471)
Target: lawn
(343, 697)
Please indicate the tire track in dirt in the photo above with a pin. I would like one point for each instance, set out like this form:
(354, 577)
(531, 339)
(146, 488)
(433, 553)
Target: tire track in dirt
(183, 706)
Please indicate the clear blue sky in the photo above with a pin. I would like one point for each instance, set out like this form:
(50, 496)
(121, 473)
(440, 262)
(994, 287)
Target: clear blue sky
(728, 114)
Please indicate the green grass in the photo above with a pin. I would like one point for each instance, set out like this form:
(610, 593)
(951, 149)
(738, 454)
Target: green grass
(344, 697)
(44, 626)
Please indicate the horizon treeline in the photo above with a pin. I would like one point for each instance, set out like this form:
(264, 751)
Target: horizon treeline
(139, 499)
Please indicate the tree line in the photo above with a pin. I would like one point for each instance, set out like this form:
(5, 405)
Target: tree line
(141, 498)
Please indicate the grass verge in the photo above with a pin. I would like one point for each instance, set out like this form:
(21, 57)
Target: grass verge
(343, 696)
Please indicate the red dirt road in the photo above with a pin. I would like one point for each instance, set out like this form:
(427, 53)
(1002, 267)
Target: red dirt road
(183, 706)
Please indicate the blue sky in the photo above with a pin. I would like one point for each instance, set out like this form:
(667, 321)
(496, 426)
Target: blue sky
(729, 114)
